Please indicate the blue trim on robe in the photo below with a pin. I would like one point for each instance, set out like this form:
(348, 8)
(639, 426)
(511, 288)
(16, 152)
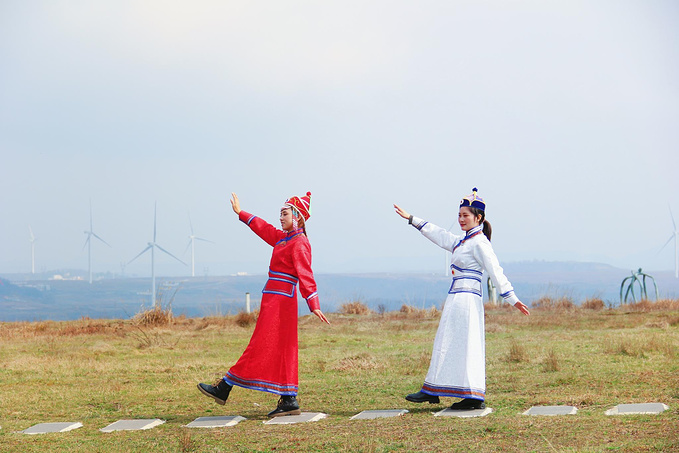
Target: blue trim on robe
(264, 386)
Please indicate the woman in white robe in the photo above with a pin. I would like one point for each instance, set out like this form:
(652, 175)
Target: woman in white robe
(458, 360)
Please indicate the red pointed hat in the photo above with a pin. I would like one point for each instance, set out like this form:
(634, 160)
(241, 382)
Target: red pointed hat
(301, 204)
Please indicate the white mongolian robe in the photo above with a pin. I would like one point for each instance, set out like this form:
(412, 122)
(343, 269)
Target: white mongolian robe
(458, 360)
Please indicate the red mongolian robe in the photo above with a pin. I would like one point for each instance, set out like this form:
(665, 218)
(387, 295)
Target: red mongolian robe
(269, 363)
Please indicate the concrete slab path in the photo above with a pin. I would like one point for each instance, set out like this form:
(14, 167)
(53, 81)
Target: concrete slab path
(634, 409)
(216, 422)
(552, 410)
(369, 415)
(302, 418)
(60, 427)
(132, 425)
(448, 412)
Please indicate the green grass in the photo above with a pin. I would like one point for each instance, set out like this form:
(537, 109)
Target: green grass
(97, 372)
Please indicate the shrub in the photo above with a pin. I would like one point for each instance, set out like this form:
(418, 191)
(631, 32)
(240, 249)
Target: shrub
(156, 316)
(517, 353)
(546, 302)
(354, 308)
(420, 313)
(551, 362)
(593, 304)
(647, 305)
(243, 319)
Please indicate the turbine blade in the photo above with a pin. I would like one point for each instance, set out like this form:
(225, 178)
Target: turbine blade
(155, 211)
(674, 224)
(205, 240)
(190, 223)
(86, 241)
(95, 235)
(665, 245)
(187, 247)
(162, 249)
(140, 254)
(30, 230)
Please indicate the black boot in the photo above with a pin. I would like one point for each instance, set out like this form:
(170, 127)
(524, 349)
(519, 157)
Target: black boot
(287, 405)
(220, 391)
(468, 404)
(421, 397)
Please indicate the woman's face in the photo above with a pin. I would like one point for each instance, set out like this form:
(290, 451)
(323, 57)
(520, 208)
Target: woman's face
(467, 219)
(286, 219)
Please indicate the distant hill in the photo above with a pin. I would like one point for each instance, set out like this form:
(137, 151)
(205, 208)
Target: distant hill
(34, 299)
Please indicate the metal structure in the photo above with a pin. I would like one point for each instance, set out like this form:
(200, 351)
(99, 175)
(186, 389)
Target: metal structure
(30, 230)
(191, 244)
(637, 278)
(493, 297)
(674, 235)
(152, 246)
(88, 244)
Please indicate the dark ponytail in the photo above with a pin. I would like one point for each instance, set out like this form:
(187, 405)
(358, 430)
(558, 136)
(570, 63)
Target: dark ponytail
(487, 229)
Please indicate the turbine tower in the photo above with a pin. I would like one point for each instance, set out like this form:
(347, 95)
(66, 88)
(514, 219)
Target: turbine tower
(674, 235)
(88, 244)
(152, 246)
(192, 244)
(32, 240)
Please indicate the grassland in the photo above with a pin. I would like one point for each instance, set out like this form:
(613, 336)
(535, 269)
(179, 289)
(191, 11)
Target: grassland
(99, 371)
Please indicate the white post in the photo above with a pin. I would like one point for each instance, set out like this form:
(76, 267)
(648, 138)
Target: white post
(247, 302)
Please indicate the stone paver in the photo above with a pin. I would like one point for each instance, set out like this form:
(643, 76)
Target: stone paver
(552, 410)
(642, 408)
(368, 415)
(60, 427)
(302, 418)
(448, 412)
(216, 422)
(132, 425)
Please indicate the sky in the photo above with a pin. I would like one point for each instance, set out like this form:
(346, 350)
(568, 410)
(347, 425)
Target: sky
(563, 113)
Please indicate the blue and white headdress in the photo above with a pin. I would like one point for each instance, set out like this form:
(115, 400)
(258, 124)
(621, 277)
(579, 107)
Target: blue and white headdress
(473, 201)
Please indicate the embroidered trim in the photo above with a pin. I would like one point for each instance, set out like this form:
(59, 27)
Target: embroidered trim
(263, 386)
(452, 266)
(458, 392)
(476, 292)
(419, 226)
(291, 235)
(470, 234)
(282, 276)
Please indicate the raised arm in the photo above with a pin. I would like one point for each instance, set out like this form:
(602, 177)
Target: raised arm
(260, 227)
(439, 236)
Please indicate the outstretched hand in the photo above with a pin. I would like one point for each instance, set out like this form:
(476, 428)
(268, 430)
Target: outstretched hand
(522, 308)
(321, 316)
(401, 212)
(235, 204)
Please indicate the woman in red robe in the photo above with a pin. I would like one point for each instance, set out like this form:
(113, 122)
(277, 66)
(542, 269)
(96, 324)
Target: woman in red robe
(269, 363)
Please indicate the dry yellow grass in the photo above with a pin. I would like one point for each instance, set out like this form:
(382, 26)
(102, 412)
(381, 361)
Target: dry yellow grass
(97, 372)
(354, 308)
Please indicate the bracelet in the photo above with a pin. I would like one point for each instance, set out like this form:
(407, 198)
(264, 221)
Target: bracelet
(410, 220)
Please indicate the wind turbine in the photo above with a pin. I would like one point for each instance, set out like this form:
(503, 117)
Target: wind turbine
(88, 243)
(192, 244)
(30, 230)
(674, 235)
(152, 246)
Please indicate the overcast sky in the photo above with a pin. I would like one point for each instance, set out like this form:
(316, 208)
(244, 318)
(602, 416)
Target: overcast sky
(564, 114)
